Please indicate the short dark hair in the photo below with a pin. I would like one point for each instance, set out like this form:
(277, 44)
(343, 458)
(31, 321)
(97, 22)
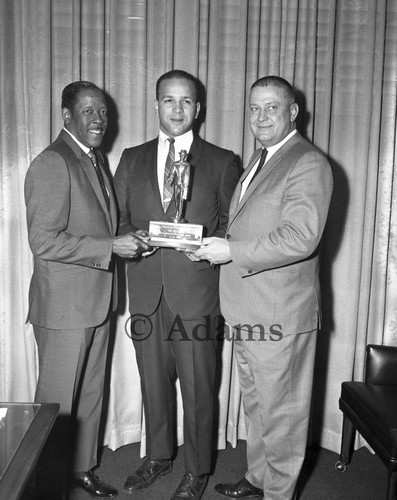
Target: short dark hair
(275, 81)
(70, 92)
(178, 73)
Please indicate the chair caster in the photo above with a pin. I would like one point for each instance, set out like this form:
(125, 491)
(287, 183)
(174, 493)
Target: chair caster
(340, 466)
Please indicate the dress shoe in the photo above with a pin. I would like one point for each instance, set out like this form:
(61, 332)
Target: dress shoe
(94, 486)
(143, 478)
(242, 489)
(191, 487)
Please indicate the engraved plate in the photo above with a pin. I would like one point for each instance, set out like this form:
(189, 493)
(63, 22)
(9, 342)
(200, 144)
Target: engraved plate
(170, 234)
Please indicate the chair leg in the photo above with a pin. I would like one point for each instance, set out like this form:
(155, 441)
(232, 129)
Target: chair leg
(348, 433)
(391, 485)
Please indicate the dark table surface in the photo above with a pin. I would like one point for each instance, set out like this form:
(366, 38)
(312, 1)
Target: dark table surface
(23, 433)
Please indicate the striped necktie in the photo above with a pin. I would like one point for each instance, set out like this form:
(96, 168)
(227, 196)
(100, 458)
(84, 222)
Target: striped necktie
(167, 188)
(99, 174)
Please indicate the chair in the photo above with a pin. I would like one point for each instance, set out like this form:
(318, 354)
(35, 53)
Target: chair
(370, 407)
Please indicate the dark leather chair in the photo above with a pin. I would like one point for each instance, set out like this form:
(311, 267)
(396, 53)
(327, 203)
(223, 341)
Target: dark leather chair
(370, 407)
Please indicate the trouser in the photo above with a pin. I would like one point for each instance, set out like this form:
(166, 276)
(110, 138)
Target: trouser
(174, 347)
(72, 372)
(276, 381)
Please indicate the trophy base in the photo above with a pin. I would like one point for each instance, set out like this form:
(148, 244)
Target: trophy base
(175, 235)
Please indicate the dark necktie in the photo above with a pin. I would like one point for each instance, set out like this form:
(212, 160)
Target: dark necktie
(260, 164)
(167, 189)
(99, 174)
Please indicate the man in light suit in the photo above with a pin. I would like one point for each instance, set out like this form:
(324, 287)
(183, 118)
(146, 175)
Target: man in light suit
(175, 297)
(270, 291)
(72, 222)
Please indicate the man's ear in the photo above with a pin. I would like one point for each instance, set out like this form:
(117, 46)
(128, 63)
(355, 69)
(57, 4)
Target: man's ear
(197, 111)
(294, 110)
(66, 115)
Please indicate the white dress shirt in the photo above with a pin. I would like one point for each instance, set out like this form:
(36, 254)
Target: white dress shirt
(84, 148)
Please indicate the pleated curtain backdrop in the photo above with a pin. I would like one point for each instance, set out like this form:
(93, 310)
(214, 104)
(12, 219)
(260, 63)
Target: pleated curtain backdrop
(340, 55)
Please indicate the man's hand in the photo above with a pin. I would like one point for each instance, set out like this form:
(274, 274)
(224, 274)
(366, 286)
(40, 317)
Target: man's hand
(144, 235)
(130, 246)
(190, 254)
(215, 250)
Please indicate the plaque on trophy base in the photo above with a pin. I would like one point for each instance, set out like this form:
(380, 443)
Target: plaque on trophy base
(175, 235)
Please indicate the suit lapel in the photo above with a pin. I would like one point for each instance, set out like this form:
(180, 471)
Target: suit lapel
(89, 170)
(254, 158)
(264, 172)
(237, 192)
(195, 151)
(237, 204)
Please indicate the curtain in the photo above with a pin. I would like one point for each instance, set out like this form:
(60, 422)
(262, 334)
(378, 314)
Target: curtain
(341, 57)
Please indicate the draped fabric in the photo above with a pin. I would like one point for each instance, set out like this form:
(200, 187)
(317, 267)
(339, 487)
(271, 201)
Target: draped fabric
(341, 57)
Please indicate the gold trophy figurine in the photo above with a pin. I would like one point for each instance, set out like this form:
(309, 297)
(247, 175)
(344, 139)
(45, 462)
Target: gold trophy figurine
(179, 178)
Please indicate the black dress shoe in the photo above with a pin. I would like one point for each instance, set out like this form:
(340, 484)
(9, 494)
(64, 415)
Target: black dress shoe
(143, 478)
(94, 486)
(191, 487)
(242, 489)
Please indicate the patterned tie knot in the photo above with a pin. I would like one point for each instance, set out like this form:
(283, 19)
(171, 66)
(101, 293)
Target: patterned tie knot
(92, 155)
(263, 157)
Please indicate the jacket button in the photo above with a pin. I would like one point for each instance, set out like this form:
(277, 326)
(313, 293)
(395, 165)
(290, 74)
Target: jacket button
(228, 237)
(249, 271)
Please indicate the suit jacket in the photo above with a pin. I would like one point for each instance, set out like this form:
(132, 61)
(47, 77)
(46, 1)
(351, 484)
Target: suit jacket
(190, 288)
(70, 234)
(274, 234)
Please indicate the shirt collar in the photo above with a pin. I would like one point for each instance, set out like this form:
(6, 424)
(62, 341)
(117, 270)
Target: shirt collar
(84, 148)
(272, 149)
(186, 137)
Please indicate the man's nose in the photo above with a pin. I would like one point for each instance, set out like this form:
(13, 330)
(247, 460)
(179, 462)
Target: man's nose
(97, 117)
(262, 115)
(178, 108)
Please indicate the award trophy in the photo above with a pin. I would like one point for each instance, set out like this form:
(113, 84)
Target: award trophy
(177, 233)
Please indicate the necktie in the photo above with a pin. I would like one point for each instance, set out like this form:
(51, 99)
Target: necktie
(167, 189)
(260, 164)
(99, 174)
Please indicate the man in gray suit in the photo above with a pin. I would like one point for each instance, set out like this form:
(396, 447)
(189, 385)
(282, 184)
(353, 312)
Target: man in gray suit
(270, 291)
(72, 222)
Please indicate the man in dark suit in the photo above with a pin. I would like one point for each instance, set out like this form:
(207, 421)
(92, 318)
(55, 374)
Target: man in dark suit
(174, 295)
(71, 218)
(270, 290)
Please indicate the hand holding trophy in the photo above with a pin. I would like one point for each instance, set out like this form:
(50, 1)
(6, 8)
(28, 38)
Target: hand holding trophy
(177, 233)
